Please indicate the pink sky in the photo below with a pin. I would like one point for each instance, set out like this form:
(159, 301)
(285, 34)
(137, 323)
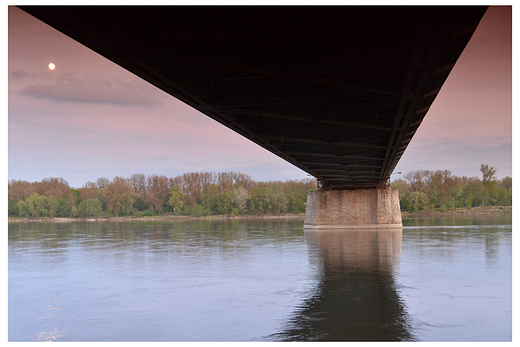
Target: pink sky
(470, 122)
(90, 118)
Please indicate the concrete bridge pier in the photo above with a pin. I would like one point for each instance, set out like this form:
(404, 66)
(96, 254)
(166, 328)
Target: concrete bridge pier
(358, 208)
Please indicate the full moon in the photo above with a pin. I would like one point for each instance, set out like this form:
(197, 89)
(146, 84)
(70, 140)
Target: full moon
(52, 66)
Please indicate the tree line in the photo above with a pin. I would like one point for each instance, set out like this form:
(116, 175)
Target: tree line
(190, 194)
(440, 190)
(231, 193)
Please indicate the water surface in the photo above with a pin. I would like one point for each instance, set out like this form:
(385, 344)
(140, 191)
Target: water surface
(439, 279)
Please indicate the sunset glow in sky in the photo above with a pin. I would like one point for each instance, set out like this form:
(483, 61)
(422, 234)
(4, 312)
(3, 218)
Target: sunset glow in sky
(88, 118)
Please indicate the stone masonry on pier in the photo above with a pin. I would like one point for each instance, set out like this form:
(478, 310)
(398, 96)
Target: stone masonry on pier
(353, 208)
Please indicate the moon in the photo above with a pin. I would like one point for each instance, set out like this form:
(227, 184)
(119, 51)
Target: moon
(52, 66)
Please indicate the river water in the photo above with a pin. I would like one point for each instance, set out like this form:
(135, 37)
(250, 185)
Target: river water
(437, 279)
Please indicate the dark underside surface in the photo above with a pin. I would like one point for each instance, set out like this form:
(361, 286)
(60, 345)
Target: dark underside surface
(337, 91)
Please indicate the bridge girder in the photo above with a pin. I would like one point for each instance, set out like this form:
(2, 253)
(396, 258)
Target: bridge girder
(337, 91)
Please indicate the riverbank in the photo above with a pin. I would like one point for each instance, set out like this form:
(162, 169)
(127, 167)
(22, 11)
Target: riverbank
(462, 211)
(155, 218)
(458, 211)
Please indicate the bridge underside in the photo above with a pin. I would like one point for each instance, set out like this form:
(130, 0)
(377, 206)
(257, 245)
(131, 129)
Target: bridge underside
(337, 91)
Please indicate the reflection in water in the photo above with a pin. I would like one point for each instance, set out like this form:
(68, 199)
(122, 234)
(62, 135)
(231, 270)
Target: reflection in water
(357, 298)
(251, 280)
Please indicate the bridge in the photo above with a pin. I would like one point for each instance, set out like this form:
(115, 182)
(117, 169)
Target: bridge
(338, 92)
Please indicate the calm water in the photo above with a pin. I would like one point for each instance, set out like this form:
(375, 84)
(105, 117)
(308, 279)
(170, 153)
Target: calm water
(444, 279)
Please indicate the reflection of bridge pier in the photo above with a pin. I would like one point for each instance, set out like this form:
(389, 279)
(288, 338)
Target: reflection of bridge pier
(356, 298)
(353, 208)
(357, 250)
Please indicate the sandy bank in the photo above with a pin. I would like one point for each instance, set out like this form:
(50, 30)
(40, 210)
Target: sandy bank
(462, 212)
(160, 218)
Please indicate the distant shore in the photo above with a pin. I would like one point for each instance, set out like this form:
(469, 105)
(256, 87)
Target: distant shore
(459, 211)
(463, 211)
(155, 218)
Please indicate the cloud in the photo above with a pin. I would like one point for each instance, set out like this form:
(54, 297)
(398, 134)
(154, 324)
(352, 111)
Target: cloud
(68, 89)
(20, 74)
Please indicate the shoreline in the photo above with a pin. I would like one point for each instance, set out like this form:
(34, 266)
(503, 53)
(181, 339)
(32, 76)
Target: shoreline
(158, 218)
(458, 212)
(462, 212)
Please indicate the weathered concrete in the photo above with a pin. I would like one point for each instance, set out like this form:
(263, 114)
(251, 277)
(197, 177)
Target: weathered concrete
(353, 208)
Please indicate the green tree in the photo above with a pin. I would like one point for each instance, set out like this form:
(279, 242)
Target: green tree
(37, 205)
(240, 197)
(296, 200)
(276, 200)
(176, 199)
(196, 211)
(489, 183)
(64, 207)
(209, 194)
(74, 196)
(23, 209)
(90, 208)
(53, 206)
(505, 193)
(503, 197)
(419, 201)
(223, 203)
(127, 206)
(404, 192)
(12, 206)
(506, 182)
(257, 200)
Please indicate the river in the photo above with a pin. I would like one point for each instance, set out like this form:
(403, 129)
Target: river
(437, 279)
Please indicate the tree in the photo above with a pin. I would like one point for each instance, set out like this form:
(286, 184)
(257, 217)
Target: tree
(209, 194)
(117, 194)
(23, 209)
(419, 201)
(53, 206)
(240, 197)
(257, 199)
(417, 180)
(489, 183)
(138, 182)
(243, 180)
(102, 182)
(296, 200)
(192, 185)
(37, 205)
(223, 203)
(506, 192)
(90, 208)
(127, 206)
(20, 190)
(225, 181)
(158, 191)
(74, 195)
(89, 190)
(12, 206)
(404, 192)
(276, 200)
(52, 186)
(446, 191)
(176, 199)
(506, 182)
(64, 207)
